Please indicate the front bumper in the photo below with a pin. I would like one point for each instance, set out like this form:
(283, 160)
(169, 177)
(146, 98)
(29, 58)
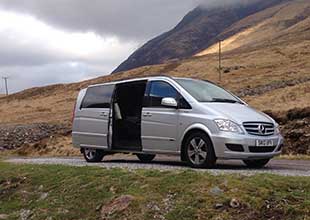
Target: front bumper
(248, 143)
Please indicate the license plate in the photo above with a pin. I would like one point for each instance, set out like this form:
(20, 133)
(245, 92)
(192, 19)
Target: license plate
(264, 143)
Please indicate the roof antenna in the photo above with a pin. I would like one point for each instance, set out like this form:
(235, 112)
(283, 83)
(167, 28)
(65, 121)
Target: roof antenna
(220, 60)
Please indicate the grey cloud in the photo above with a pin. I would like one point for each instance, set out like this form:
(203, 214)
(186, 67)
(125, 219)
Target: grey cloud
(31, 55)
(135, 19)
(33, 76)
(13, 54)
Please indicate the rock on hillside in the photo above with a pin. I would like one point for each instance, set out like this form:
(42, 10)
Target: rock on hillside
(198, 30)
(295, 127)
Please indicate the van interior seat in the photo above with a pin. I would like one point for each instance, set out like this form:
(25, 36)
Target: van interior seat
(117, 111)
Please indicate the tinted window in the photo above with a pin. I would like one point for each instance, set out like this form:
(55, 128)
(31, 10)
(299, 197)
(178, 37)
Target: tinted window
(160, 90)
(98, 97)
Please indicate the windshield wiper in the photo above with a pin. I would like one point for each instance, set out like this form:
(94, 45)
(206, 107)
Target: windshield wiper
(225, 100)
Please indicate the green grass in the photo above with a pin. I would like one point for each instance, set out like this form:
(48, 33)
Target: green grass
(63, 192)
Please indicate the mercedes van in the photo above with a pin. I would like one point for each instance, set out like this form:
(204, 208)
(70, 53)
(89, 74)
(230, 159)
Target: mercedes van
(194, 119)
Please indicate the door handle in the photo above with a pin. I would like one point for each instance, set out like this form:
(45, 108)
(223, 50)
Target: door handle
(104, 114)
(147, 114)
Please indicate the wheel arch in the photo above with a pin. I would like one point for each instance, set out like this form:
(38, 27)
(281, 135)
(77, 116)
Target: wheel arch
(190, 130)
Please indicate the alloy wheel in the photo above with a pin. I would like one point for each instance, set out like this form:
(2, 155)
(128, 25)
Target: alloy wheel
(197, 151)
(90, 153)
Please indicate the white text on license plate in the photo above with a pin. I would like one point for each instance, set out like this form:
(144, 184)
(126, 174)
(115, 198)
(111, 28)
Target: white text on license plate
(264, 143)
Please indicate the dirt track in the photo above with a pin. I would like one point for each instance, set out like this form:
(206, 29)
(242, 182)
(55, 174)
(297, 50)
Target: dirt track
(279, 167)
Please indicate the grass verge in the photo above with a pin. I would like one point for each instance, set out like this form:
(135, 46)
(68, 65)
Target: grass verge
(62, 192)
(294, 157)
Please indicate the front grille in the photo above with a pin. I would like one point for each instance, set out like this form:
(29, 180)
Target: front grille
(261, 149)
(259, 128)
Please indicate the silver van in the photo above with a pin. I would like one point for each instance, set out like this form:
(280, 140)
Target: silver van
(197, 120)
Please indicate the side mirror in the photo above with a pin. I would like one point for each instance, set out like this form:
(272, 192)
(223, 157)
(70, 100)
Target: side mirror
(169, 102)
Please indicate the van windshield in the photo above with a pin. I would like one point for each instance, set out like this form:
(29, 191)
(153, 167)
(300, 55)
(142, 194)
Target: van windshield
(204, 91)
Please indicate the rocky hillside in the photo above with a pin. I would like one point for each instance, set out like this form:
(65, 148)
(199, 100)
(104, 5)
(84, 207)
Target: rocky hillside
(198, 30)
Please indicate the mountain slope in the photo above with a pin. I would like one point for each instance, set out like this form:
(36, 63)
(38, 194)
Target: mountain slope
(198, 30)
(285, 22)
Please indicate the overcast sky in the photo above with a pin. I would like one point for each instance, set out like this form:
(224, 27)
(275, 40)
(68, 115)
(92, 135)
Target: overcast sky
(58, 41)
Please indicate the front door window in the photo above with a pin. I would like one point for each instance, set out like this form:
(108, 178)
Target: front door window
(160, 90)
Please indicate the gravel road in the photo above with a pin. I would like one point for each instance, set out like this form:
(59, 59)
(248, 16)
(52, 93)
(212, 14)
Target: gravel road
(163, 163)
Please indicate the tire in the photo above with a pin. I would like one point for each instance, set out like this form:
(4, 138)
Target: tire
(256, 163)
(93, 155)
(199, 151)
(146, 158)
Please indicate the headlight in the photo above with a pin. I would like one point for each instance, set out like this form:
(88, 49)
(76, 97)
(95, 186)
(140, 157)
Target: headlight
(229, 126)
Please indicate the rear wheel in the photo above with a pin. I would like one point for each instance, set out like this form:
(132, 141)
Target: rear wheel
(93, 155)
(146, 158)
(199, 151)
(256, 163)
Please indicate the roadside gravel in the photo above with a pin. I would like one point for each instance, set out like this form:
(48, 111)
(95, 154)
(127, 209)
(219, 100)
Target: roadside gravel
(15, 136)
(164, 163)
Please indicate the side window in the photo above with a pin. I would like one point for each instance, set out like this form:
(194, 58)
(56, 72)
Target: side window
(160, 90)
(98, 97)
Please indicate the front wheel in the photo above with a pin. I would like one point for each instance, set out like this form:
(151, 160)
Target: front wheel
(256, 163)
(146, 158)
(93, 155)
(199, 151)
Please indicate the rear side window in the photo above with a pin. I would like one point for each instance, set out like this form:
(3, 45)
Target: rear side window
(160, 90)
(98, 97)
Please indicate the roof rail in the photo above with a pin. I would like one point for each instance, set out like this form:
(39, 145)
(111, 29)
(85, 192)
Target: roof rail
(142, 76)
